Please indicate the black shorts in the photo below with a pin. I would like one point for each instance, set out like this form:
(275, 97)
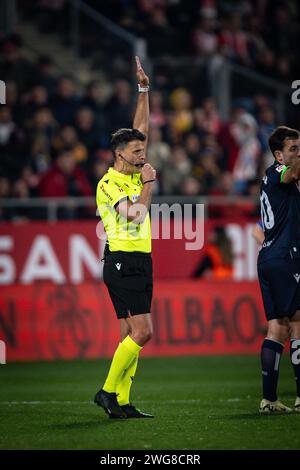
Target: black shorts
(129, 279)
(280, 287)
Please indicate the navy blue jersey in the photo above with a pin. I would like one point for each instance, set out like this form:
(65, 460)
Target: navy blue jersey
(280, 214)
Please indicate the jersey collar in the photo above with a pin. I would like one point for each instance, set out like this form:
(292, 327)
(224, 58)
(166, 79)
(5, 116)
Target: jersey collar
(120, 176)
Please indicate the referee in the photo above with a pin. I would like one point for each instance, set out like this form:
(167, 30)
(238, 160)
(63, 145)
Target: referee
(123, 200)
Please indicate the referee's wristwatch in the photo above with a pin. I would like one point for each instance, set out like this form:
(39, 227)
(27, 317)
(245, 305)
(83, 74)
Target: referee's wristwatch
(143, 89)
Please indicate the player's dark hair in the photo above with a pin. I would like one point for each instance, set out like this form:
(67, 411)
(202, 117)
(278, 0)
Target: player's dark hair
(278, 136)
(123, 136)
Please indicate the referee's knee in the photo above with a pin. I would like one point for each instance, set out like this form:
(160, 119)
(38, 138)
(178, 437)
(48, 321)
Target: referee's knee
(143, 335)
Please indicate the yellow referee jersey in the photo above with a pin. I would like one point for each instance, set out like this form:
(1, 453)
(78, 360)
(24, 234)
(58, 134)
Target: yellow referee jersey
(122, 235)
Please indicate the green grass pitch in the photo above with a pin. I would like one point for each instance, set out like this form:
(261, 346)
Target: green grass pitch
(198, 403)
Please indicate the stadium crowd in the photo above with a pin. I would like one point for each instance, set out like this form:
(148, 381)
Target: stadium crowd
(54, 141)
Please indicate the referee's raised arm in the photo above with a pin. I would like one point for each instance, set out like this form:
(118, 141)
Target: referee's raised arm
(141, 117)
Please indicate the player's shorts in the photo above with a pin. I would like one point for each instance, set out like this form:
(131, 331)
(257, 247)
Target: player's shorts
(280, 286)
(129, 279)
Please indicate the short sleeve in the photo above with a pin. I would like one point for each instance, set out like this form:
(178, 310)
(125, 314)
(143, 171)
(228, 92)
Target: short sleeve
(109, 193)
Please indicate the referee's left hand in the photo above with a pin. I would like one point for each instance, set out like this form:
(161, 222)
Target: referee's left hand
(142, 78)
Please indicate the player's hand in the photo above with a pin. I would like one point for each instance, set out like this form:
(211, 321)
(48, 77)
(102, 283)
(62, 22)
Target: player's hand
(148, 172)
(142, 78)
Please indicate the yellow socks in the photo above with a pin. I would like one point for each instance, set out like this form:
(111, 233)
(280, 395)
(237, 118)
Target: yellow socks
(124, 355)
(124, 386)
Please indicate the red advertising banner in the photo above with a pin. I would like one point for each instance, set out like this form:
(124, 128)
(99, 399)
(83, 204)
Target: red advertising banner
(46, 321)
(70, 252)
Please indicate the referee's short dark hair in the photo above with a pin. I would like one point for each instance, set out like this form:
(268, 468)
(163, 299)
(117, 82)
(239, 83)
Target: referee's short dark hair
(278, 136)
(123, 136)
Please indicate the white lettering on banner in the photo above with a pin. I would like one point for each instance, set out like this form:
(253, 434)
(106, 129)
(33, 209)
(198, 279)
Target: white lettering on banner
(81, 261)
(82, 254)
(42, 263)
(251, 249)
(235, 233)
(245, 251)
(7, 266)
(2, 352)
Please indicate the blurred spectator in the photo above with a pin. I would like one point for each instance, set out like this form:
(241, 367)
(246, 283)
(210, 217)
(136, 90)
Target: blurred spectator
(40, 154)
(224, 185)
(246, 165)
(211, 116)
(5, 187)
(160, 36)
(255, 39)
(65, 103)
(206, 170)
(45, 75)
(13, 102)
(158, 116)
(87, 130)
(21, 191)
(13, 66)
(190, 186)
(158, 152)
(67, 139)
(64, 179)
(179, 166)
(13, 148)
(95, 99)
(204, 37)
(34, 101)
(233, 40)
(182, 117)
(282, 32)
(118, 108)
(43, 125)
(193, 146)
(266, 123)
(217, 262)
(5, 192)
(158, 155)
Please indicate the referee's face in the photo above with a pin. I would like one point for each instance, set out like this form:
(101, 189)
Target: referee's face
(133, 156)
(290, 151)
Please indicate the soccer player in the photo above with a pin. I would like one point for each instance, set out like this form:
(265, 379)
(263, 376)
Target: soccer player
(123, 199)
(279, 263)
